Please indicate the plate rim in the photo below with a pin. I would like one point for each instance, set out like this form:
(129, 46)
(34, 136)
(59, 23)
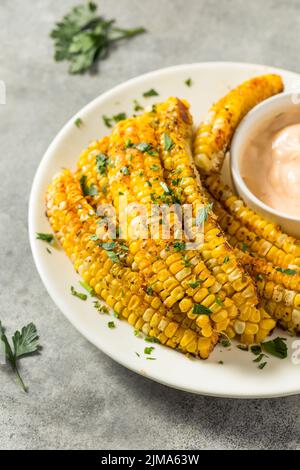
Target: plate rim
(60, 302)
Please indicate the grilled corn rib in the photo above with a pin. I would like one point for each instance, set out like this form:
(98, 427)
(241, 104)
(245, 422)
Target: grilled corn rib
(175, 122)
(74, 221)
(88, 164)
(214, 135)
(249, 231)
(178, 276)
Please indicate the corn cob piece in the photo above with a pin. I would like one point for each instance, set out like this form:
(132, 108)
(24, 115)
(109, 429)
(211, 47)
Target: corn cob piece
(74, 221)
(279, 290)
(249, 231)
(198, 285)
(180, 277)
(214, 135)
(174, 121)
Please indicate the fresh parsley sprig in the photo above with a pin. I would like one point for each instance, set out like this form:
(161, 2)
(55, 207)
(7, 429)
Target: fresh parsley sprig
(82, 37)
(25, 343)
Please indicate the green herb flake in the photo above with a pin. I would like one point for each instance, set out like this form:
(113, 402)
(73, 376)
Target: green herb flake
(194, 284)
(113, 256)
(107, 121)
(151, 358)
(288, 272)
(119, 117)
(276, 347)
(101, 308)
(149, 350)
(152, 339)
(49, 251)
(108, 246)
(219, 301)
(125, 170)
(149, 93)
(143, 147)
(149, 290)
(87, 287)
(221, 362)
(137, 106)
(243, 347)
(259, 358)
(111, 325)
(255, 349)
(245, 248)
(101, 163)
(78, 122)
(262, 365)
(116, 314)
(154, 167)
(225, 342)
(128, 144)
(136, 333)
(77, 294)
(45, 237)
(188, 82)
(203, 213)
(86, 189)
(226, 259)
(168, 142)
(137, 354)
(200, 309)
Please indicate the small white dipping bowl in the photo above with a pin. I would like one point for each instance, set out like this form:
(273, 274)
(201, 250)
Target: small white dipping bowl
(255, 119)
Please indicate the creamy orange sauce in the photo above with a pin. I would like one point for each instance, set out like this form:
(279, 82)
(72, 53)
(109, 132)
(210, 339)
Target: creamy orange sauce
(270, 165)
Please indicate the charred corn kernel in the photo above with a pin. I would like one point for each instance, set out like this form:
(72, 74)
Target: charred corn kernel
(214, 135)
(74, 225)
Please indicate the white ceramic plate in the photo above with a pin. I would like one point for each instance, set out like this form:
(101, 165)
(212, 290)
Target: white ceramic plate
(238, 376)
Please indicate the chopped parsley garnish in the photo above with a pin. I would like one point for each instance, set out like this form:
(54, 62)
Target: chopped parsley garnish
(200, 309)
(49, 251)
(219, 301)
(107, 121)
(203, 213)
(194, 284)
(187, 262)
(143, 147)
(289, 272)
(78, 294)
(125, 170)
(101, 163)
(151, 358)
(259, 358)
(108, 245)
(255, 349)
(116, 314)
(221, 362)
(262, 365)
(45, 237)
(179, 246)
(136, 333)
(226, 259)
(119, 117)
(225, 341)
(113, 256)
(83, 37)
(138, 355)
(100, 308)
(88, 288)
(154, 167)
(276, 347)
(128, 144)
(24, 343)
(136, 106)
(244, 248)
(86, 189)
(149, 350)
(243, 347)
(78, 122)
(168, 142)
(188, 82)
(111, 324)
(152, 339)
(150, 92)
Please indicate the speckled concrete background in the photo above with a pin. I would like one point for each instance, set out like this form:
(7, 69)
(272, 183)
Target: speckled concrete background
(79, 398)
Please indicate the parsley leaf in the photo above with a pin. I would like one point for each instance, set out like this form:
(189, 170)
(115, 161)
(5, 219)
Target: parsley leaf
(82, 37)
(86, 189)
(149, 350)
(200, 309)
(188, 82)
(289, 272)
(277, 347)
(111, 324)
(194, 284)
(168, 142)
(136, 106)
(87, 287)
(45, 237)
(25, 343)
(202, 215)
(101, 163)
(150, 92)
(78, 122)
(78, 294)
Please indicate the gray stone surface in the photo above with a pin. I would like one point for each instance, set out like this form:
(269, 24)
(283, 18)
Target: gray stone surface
(79, 398)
